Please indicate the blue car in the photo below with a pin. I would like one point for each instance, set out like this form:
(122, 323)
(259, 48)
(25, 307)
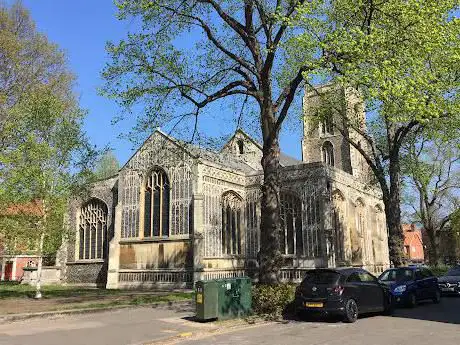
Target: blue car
(409, 285)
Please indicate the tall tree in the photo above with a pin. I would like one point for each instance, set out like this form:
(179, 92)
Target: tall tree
(450, 239)
(107, 166)
(432, 170)
(186, 55)
(403, 57)
(44, 152)
(27, 59)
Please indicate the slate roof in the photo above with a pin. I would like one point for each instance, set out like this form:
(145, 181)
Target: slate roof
(233, 161)
(286, 160)
(224, 159)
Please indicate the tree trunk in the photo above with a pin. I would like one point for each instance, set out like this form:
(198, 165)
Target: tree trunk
(433, 254)
(38, 292)
(392, 201)
(270, 261)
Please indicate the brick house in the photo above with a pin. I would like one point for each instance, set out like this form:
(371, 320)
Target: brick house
(413, 243)
(12, 263)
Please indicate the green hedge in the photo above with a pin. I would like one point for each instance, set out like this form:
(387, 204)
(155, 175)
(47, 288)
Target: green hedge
(272, 300)
(439, 270)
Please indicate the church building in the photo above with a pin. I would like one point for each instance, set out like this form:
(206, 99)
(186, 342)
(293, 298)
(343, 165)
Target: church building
(177, 213)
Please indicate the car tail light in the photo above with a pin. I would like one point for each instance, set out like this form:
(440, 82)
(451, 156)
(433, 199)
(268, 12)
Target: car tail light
(338, 290)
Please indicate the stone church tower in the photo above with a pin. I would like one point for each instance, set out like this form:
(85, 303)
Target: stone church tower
(325, 140)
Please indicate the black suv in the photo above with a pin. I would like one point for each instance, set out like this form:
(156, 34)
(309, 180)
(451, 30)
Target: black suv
(342, 291)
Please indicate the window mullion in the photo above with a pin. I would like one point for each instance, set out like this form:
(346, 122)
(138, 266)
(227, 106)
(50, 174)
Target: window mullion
(152, 210)
(294, 232)
(160, 230)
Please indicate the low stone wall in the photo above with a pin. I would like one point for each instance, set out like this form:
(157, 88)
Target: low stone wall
(50, 275)
(164, 279)
(83, 273)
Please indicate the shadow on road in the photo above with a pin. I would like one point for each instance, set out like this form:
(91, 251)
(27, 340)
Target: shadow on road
(448, 311)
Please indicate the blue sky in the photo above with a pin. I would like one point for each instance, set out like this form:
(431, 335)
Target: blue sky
(81, 28)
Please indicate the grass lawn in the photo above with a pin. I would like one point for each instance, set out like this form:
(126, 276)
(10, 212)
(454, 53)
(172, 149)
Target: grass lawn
(15, 290)
(16, 298)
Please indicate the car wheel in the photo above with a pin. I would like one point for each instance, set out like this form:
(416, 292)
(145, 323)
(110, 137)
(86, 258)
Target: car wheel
(351, 311)
(437, 297)
(411, 300)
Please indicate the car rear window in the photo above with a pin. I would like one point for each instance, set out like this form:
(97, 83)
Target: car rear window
(321, 277)
(398, 275)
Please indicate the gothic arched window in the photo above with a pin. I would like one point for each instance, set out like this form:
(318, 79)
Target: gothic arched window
(328, 153)
(156, 206)
(240, 146)
(232, 207)
(327, 125)
(360, 217)
(181, 205)
(291, 240)
(93, 230)
(338, 221)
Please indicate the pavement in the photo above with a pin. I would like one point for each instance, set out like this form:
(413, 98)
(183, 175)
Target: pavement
(117, 327)
(426, 324)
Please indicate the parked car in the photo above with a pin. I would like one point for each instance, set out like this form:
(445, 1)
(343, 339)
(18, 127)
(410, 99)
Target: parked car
(409, 285)
(450, 282)
(347, 292)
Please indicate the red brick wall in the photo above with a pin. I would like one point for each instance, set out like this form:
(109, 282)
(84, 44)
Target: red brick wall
(413, 242)
(20, 264)
(416, 251)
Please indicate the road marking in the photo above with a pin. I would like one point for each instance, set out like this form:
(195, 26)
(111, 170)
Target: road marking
(185, 334)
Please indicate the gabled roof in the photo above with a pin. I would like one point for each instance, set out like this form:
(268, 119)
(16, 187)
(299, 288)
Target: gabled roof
(226, 160)
(246, 135)
(411, 234)
(222, 158)
(285, 160)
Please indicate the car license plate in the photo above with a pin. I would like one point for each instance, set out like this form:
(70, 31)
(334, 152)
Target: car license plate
(447, 289)
(313, 305)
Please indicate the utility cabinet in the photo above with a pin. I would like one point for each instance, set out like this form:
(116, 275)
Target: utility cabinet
(223, 298)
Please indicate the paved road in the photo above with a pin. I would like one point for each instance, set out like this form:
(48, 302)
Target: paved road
(118, 327)
(428, 324)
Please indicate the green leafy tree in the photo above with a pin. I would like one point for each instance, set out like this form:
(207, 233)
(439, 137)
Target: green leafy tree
(107, 166)
(44, 155)
(451, 238)
(431, 167)
(27, 60)
(403, 58)
(184, 56)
